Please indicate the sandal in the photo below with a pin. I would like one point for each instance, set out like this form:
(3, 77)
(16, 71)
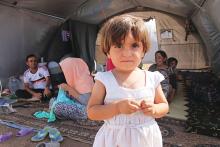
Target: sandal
(41, 135)
(5, 137)
(24, 132)
(55, 135)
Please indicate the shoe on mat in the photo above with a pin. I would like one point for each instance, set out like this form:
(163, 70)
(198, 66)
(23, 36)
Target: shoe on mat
(48, 144)
(5, 137)
(41, 135)
(24, 132)
(55, 135)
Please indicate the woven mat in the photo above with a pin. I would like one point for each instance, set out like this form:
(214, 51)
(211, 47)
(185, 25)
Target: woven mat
(85, 130)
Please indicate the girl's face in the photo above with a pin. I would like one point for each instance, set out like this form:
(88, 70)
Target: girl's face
(159, 59)
(127, 55)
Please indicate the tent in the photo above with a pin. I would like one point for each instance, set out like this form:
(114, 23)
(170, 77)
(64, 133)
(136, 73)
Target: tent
(43, 27)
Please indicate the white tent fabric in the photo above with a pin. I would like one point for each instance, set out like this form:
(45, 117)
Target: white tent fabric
(152, 31)
(25, 24)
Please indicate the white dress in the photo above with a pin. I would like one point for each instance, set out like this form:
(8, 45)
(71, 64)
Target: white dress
(133, 130)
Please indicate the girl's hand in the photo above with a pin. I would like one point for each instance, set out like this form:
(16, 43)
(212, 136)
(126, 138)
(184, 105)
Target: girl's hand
(127, 106)
(148, 108)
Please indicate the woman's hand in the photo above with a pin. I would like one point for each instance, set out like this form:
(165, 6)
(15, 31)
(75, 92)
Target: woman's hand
(64, 86)
(148, 108)
(127, 106)
(70, 90)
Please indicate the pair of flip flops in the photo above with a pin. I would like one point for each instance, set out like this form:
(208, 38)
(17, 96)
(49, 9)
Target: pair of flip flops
(53, 133)
(21, 133)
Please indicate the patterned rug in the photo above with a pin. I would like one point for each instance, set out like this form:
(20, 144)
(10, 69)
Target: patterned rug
(85, 130)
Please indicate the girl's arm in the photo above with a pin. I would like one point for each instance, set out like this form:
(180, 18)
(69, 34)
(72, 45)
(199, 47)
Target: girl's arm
(97, 110)
(160, 106)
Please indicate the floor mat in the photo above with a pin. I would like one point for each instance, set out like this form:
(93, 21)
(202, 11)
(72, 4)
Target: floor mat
(84, 130)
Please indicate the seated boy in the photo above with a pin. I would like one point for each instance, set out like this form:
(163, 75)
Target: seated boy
(172, 63)
(36, 81)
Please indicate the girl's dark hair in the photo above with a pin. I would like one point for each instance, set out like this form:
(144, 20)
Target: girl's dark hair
(116, 29)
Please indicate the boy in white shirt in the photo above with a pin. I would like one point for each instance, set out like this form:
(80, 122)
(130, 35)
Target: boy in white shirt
(36, 80)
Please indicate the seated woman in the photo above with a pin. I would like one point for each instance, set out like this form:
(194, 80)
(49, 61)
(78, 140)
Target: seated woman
(161, 66)
(79, 86)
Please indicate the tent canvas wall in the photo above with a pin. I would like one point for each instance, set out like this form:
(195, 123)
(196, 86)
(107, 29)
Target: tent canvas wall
(27, 26)
(191, 53)
(22, 32)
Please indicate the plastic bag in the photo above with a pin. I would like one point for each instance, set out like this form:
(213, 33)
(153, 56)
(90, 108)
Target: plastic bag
(14, 84)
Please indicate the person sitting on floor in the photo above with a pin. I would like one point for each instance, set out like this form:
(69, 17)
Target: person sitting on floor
(36, 81)
(161, 66)
(78, 87)
(172, 63)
